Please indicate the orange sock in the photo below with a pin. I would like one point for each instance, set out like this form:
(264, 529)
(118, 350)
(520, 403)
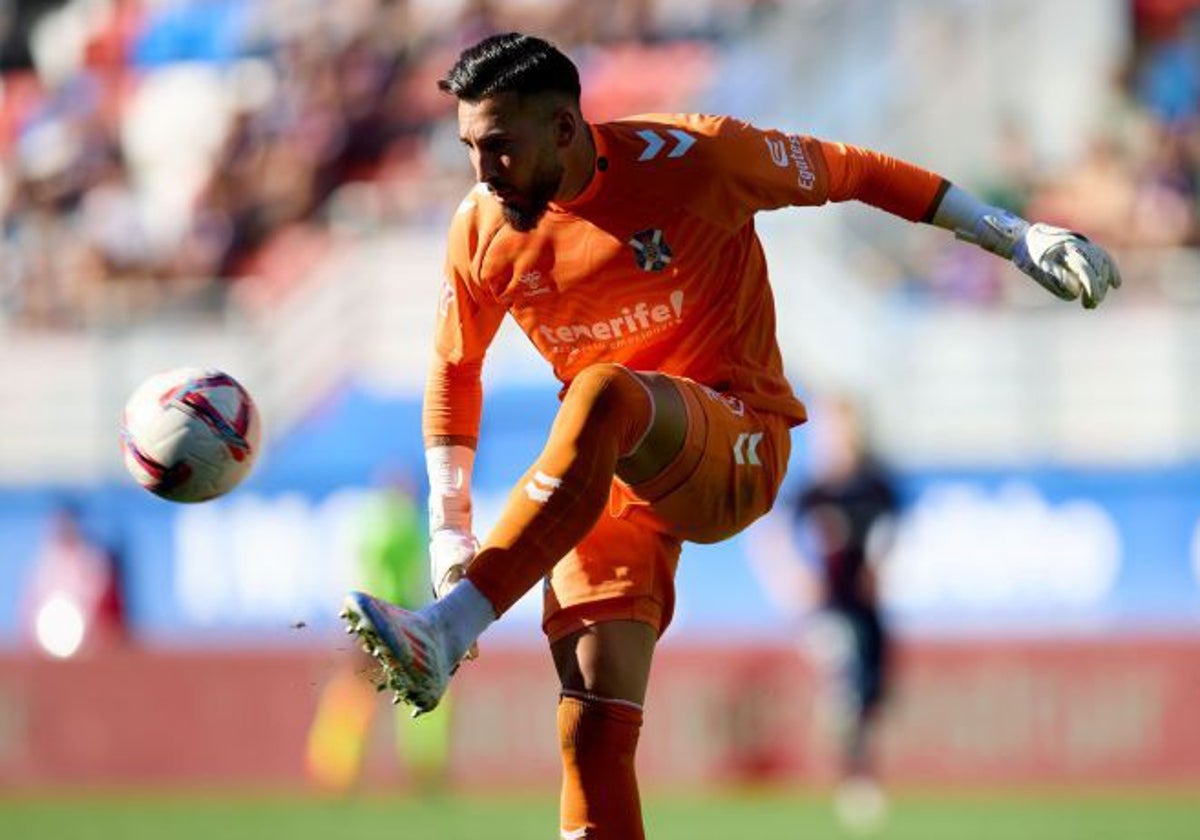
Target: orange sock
(604, 415)
(598, 739)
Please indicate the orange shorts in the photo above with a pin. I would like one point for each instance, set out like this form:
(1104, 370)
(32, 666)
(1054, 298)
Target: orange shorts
(726, 475)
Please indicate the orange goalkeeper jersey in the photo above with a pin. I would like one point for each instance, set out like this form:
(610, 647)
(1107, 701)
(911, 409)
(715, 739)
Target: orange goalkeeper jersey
(656, 265)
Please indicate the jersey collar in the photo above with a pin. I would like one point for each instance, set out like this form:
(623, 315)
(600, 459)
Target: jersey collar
(595, 184)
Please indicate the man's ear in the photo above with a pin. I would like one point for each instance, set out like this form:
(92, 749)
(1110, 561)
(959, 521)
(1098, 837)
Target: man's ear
(567, 124)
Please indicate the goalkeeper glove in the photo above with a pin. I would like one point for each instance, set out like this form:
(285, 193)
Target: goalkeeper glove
(1063, 262)
(450, 552)
(452, 546)
(451, 543)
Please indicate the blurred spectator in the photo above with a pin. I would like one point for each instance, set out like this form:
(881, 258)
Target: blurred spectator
(845, 516)
(392, 560)
(824, 572)
(1166, 59)
(1096, 195)
(73, 602)
(1015, 173)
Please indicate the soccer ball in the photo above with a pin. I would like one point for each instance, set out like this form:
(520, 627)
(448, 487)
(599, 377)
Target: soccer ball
(190, 434)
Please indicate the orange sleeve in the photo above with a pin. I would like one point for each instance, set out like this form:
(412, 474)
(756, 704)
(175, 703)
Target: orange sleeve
(467, 320)
(888, 183)
(759, 169)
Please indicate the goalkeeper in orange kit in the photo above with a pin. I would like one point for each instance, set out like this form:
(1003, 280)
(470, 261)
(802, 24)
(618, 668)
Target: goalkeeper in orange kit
(627, 253)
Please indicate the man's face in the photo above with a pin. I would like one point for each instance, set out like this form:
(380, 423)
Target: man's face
(514, 145)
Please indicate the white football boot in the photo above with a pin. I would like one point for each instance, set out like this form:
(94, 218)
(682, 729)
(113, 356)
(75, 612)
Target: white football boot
(406, 646)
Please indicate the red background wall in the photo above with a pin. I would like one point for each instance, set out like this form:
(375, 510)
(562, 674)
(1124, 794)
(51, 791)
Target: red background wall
(1070, 712)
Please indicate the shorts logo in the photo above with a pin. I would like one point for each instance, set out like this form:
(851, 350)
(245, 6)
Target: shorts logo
(650, 251)
(745, 448)
(731, 402)
(541, 487)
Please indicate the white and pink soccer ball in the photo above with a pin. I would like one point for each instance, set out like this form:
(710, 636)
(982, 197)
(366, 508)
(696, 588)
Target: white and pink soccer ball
(190, 434)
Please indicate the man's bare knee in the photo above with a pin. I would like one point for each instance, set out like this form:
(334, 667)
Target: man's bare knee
(610, 659)
(665, 436)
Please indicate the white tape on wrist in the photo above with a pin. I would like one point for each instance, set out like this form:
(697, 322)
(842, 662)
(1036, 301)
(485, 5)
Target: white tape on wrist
(449, 469)
(991, 228)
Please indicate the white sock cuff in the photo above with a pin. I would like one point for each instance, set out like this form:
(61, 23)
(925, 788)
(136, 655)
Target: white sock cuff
(588, 697)
(462, 614)
(469, 597)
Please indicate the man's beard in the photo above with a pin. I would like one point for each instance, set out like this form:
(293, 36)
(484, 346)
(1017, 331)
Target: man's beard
(534, 202)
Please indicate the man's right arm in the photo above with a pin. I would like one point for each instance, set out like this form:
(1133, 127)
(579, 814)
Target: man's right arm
(453, 399)
(467, 321)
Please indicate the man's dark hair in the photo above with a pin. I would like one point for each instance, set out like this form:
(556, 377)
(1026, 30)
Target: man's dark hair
(514, 63)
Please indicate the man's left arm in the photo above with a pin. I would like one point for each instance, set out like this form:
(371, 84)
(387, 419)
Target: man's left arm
(1063, 262)
(764, 169)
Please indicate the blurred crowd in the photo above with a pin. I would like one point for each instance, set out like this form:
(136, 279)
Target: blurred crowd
(165, 153)
(1135, 187)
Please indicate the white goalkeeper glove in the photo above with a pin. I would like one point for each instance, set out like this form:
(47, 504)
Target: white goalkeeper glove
(1063, 262)
(452, 546)
(449, 553)
(451, 543)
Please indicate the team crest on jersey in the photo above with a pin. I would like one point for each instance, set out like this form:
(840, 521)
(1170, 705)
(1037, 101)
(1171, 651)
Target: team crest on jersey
(650, 250)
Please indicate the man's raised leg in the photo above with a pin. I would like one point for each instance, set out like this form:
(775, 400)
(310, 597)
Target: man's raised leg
(612, 421)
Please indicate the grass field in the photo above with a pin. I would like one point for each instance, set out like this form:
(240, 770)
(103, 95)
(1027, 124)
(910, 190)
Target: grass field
(1100, 816)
